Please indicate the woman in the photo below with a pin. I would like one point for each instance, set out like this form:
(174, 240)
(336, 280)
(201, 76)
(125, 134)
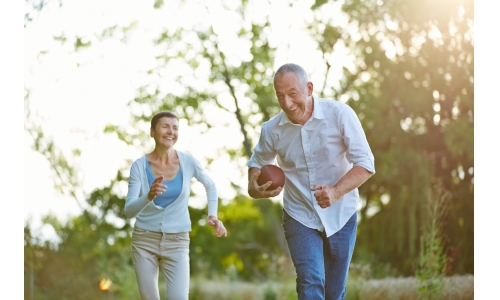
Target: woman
(158, 194)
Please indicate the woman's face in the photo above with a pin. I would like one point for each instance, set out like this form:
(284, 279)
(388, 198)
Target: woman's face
(166, 132)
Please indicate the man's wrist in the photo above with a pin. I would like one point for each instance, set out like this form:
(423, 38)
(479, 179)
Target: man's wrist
(336, 192)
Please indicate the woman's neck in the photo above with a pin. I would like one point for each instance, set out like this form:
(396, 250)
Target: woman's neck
(164, 155)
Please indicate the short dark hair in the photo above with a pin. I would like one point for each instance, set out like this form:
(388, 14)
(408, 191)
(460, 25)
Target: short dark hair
(162, 114)
(295, 69)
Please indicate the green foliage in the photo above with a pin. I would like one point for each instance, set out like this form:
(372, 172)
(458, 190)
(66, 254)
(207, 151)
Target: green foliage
(94, 246)
(74, 269)
(33, 7)
(412, 85)
(431, 269)
(248, 78)
(247, 252)
(79, 43)
(158, 4)
(432, 263)
(353, 287)
(65, 170)
(318, 3)
(270, 294)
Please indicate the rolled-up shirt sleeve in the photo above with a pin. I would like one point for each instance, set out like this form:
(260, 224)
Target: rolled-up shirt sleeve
(263, 152)
(358, 150)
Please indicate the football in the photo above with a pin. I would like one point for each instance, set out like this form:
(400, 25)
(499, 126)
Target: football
(271, 173)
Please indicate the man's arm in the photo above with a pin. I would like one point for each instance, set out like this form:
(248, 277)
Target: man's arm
(255, 191)
(326, 195)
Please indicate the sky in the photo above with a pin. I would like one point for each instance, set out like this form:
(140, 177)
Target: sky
(62, 95)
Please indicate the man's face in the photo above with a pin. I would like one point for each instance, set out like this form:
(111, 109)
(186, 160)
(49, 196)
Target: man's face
(295, 99)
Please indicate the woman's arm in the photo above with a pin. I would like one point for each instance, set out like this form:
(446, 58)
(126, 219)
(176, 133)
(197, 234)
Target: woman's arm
(134, 202)
(210, 189)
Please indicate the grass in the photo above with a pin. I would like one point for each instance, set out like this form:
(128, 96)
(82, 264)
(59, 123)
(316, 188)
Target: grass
(238, 290)
(458, 287)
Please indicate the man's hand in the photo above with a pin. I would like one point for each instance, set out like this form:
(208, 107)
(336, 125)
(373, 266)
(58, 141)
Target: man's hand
(325, 195)
(259, 191)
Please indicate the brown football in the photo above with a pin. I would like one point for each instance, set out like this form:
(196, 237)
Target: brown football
(271, 173)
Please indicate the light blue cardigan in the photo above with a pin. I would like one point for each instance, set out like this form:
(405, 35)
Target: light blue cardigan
(175, 217)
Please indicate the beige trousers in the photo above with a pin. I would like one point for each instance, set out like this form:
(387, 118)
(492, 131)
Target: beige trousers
(166, 251)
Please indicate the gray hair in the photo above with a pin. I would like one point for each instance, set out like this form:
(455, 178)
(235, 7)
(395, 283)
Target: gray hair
(295, 69)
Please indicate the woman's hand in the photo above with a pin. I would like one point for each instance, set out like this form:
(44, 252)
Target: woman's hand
(157, 188)
(220, 230)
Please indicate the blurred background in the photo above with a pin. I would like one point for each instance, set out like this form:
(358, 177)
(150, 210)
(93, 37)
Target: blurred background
(96, 71)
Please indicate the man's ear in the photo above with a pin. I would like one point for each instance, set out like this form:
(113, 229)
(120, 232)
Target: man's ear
(151, 132)
(309, 88)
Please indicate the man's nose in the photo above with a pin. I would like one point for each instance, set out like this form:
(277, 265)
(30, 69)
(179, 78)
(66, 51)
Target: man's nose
(287, 101)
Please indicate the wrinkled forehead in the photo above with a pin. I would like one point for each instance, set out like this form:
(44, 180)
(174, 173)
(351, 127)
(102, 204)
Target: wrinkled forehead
(287, 81)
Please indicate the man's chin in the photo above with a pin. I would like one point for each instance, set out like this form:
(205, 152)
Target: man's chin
(294, 118)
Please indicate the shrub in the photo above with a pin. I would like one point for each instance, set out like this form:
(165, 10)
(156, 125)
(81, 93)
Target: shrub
(432, 259)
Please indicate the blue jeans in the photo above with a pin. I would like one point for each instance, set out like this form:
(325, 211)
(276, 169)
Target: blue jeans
(321, 262)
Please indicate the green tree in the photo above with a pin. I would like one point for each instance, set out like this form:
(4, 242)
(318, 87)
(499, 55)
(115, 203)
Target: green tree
(412, 85)
(208, 79)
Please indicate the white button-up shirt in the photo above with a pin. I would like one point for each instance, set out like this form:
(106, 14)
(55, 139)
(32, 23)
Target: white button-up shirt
(321, 151)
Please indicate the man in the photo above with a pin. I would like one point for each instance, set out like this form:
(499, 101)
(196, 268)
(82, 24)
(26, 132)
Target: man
(322, 148)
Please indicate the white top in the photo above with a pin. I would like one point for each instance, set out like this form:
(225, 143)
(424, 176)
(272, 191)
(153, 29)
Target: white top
(321, 151)
(175, 217)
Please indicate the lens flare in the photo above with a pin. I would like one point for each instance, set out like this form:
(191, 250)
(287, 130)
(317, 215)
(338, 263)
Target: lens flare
(105, 284)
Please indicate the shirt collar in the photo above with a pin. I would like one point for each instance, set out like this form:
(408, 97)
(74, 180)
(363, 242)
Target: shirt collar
(317, 113)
